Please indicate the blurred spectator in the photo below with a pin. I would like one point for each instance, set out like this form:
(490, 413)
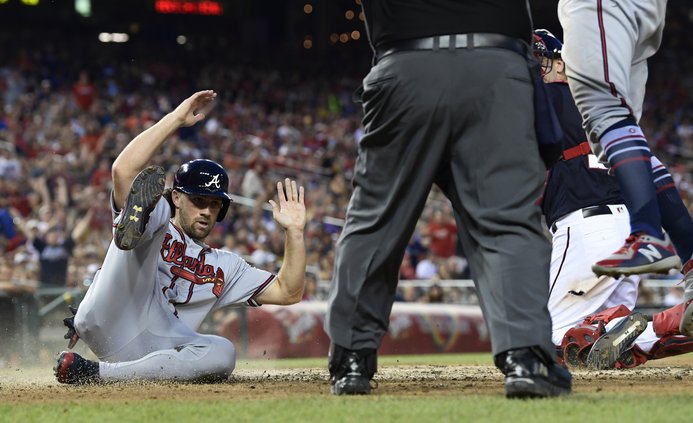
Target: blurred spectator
(10, 165)
(253, 185)
(56, 139)
(55, 249)
(427, 268)
(646, 296)
(408, 293)
(443, 234)
(310, 292)
(84, 91)
(454, 267)
(435, 294)
(100, 177)
(674, 296)
(406, 270)
(10, 238)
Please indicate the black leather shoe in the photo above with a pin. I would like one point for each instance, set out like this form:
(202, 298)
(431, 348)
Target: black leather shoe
(351, 371)
(529, 373)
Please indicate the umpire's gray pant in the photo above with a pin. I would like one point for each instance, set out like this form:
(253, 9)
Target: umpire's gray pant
(463, 119)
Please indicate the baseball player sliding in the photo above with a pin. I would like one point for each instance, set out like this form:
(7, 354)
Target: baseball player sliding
(583, 206)
(159, 279)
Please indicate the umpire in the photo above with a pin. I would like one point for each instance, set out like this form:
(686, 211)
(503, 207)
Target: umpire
(449, 100)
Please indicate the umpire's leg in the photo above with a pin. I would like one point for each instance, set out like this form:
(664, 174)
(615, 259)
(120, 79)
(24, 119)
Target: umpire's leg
(406, 134)
(497, 177)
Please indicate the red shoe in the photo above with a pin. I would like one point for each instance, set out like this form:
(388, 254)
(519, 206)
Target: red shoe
(73, 369)
(642, 253)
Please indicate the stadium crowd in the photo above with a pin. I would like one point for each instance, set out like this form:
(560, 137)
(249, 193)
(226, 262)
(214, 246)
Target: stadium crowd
(63, 121)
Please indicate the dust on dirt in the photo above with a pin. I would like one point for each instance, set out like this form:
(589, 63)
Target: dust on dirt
(25, 386)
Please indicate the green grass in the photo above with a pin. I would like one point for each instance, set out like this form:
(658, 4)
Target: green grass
(593, 406)
(579, 408)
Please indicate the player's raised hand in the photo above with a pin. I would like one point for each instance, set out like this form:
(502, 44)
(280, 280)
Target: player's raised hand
(194, 108)
(290, 213)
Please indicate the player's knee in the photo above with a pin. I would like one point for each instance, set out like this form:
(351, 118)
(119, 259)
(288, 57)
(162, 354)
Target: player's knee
(224, 356)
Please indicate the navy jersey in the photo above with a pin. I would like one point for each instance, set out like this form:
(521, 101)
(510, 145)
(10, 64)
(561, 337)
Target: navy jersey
(578, 182)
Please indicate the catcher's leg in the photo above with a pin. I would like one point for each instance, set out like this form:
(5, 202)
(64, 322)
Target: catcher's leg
(579, 340)
(609, 347)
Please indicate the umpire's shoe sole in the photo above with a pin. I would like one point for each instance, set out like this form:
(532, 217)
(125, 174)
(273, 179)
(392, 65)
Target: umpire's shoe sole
(526, 388)
(609, 347)
(351, 385)
(145, 192)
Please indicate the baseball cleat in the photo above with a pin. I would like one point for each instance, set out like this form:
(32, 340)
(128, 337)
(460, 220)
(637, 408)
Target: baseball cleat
(528, 375)
(642, 253)
(609, 347)
(73, 369)
(351, 376)
(145, 192)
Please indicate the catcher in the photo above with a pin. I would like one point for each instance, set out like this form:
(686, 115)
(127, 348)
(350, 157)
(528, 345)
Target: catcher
(585, 212)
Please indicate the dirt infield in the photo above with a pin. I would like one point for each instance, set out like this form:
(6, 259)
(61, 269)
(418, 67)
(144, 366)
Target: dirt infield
(20, 386)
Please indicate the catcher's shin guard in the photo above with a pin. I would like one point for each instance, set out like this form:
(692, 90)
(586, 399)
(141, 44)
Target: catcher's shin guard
(632, 357)
(667, 322)
(609, 347)
(578, 341)
(670, 346)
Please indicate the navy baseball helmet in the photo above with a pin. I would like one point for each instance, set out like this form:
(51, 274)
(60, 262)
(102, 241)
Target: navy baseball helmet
(546, 44)
(204, 177)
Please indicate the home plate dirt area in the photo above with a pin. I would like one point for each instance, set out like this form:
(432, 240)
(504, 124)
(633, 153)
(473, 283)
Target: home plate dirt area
(674, 375)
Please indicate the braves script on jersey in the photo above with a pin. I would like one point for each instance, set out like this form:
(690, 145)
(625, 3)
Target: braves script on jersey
(195, 278)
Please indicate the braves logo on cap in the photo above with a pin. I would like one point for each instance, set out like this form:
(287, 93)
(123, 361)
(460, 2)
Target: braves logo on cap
(214, 181)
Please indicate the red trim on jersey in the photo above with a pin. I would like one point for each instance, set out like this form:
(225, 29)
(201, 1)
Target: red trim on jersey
(605, 58)
(632, 159)
(251, 301)
(665, 187)
(180, 232)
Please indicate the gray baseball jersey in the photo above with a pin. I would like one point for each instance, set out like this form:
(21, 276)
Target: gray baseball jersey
(606, 47)
(145, 304)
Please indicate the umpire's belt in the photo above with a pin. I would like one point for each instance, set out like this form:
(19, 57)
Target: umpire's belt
(589, 212)
(452, 42)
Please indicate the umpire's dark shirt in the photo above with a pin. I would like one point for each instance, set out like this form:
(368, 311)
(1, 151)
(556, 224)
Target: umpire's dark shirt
(574, 184)
(392, 20)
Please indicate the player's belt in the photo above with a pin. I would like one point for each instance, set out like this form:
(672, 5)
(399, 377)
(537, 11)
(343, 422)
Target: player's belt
(581, 149)
(588, 212)
(452, 42)
(595, 211)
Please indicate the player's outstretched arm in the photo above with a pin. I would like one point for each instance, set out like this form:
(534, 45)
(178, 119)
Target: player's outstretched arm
(290, 214)
(139, 152)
